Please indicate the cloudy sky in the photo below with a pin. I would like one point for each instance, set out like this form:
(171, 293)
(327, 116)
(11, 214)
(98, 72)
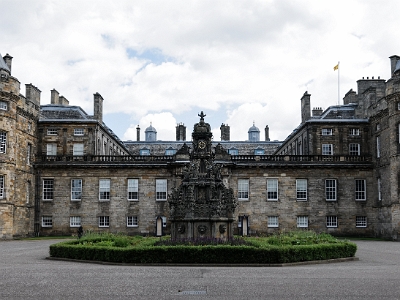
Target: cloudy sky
(165, 61)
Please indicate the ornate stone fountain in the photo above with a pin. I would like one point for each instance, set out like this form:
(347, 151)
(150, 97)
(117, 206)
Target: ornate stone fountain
(202, 207)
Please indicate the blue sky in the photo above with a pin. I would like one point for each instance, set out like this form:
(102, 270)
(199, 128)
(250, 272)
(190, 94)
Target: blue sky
(165, 61)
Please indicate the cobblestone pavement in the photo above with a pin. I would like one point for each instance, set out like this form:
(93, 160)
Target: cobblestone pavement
(26, 274)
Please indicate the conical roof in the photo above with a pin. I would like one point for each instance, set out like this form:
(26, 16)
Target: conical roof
(151, 129)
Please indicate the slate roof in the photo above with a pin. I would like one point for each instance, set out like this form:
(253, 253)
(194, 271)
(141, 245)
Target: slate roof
(61, 112)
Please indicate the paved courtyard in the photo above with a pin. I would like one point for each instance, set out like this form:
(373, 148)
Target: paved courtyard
(26, 274)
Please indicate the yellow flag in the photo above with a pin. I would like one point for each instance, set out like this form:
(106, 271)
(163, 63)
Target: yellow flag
(336, 67)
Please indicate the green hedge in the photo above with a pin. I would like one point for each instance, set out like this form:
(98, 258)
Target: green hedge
(221, 254)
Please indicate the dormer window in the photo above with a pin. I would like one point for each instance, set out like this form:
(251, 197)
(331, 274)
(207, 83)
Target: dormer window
(3, 105)
(259, 151)
(233, 151)
(327, 131)
(170, 151)
(51, 131)
(144, 151)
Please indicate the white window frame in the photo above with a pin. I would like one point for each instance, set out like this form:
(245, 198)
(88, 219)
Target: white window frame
(273, 221)
(378, 146)
(272, 189)
(75, 221)
(331, 189)
(132, 221)
(133, 189)
(3, 141)
(3, 105)
(361, 221)
(79, 132)
(331, 221)
(52, 131)
(327, 149)
(77, 149)
(161, 189)
(243, 189)
(48, 189)
(361, 190)
(301, 189)
(76, 189)
(302, 221)
(327, 131)
(104, 221)
(47, 221)
(354, 131)
(51, 149)
(354, 149)
(2, 187)
(104, 189)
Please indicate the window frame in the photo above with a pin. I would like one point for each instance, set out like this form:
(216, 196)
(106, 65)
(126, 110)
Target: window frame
(233, 151)
(47, 221)
(378, 146)
(360, 221)
(104, 189)
(273, 222)
(326, 131)
(327, 149)
(354, 131)
(78, 149)
(52, 131)
(259, 151)
(144, 152)
(3, 105)
(302, 221)
(331, 190)
(273, 184)
(161, 189)
(379, 182)
(73, 221)
(2, 186)
(303, 191)
(243, 189)
(76, 190)
(51, 149)
(331, 221)
(104, 221)
(132, 221)
(132, 188)
(48, 189)
(353, 151)
(3, 141)
(360, 190)
(79, 131)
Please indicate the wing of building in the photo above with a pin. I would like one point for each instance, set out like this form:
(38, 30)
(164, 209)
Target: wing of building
(337, 172)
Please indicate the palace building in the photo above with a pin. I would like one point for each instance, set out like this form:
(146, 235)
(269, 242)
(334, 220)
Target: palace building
(337, 172)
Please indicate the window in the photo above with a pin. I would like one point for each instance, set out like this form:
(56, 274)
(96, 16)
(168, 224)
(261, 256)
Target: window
(378, 127)
(378, 146)
(74, 221)
(3, 105)
(327, 131)
(133, 187)
(144, 152)
(330, 189)
(164, 221)
(243, 189)
(78, 149)
(3, 141)
(170, 152)
(360, 190)
(79, 131)
(51, 131)
(28, 154)
(51, 149)
(398, 105)
(354, 149)
(47, 221)
(161, 189)
(327, 149)
(233, 151)
(331, 221)
(104, 189)
(272, 189)
(104, 221)
(48, 189)
(301, 189)
(302, 221)
(273, 221)
(259, 152)
(132, 221)
(361, 221)
(379, 190)
(354, 131)
(2, 194)
(76, 189)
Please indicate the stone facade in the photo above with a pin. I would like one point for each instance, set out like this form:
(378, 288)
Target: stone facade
(338, 171)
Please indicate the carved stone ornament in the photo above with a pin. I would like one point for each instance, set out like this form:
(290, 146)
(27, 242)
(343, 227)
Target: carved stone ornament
(202, 229)
(181, 228)
(222, 228)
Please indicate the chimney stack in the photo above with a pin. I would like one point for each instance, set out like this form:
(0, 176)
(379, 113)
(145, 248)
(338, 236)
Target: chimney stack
(393, 62)
(32, 93)
(180, 132)
(138, 133)
(8, 60)
(305, 107)
(317, 111)
(98, 107)
(267, 134)
(54, 97)
(225, 132)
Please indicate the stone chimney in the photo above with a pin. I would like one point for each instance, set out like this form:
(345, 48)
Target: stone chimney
(32, 93)
(350, 97)
(8, 60)
(138, 133)
(393, 63)
(54, 97)
(317, 111)
(180, 132)
(267, 134)
(98, 107)
(63, 101)
(305, 107)
(225, 132)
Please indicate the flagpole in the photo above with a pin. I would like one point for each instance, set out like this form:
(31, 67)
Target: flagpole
(338, 83)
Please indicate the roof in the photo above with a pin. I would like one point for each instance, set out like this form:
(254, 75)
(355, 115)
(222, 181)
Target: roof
(150, 129)
(397, 68)
(62, 112)
(3, 64)
(253, 129)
